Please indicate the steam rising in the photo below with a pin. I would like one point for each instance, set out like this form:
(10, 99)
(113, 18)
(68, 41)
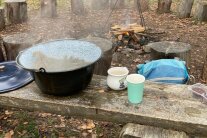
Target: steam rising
(69, 25)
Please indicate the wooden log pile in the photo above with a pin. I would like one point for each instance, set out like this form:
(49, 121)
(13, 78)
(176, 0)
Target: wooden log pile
(130, 35)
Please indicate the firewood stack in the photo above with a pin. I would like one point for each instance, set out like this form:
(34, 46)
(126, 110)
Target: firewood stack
(131, 36)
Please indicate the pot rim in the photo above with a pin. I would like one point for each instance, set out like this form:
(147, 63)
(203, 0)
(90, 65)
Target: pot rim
(117, 68)
(60, 71)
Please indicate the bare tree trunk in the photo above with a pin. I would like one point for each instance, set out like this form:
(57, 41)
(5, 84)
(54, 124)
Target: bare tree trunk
(2, 19)
(48, 8)
(144, 4)
(77, 7)
(201, 11)
(164, 6)
(99, 4)
(119, 4)
(185, 8)
(16, 11)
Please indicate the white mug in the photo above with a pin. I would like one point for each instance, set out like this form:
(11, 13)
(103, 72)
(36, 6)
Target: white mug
(116, 78)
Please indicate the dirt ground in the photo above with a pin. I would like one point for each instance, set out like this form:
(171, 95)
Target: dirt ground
(24, 124)
(19, 123)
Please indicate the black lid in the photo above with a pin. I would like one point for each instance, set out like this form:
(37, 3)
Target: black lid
(13, 77)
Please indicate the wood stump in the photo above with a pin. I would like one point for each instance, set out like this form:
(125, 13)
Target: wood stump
(1, 50)
(48, 8)
(170, 50)
(185, 7)
(102, 66)
(77, 7)
(201, 11)
(120, 4)
(204, 74)
(2, 19)
(16, 11)
(18, 42)
(99, 4)
(164, 6)
(144, 4)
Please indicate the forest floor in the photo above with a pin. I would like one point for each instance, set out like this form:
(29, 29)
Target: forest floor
(20, 123)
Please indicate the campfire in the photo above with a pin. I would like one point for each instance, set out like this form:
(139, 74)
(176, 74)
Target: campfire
(131, 36)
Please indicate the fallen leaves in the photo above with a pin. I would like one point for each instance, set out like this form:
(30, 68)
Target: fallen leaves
(44, 114)
(25, 123)
(9, 134)
(88, 125)
(8, 112)
(101, 91)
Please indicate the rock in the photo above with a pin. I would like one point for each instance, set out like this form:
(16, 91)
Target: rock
(139, 52)
(146, 49)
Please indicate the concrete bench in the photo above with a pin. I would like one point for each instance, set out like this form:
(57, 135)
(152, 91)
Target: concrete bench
(166, 106)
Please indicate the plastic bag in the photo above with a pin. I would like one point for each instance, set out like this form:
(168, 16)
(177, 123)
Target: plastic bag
(165, 71)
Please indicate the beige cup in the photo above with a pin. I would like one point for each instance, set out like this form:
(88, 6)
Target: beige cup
(116, 78)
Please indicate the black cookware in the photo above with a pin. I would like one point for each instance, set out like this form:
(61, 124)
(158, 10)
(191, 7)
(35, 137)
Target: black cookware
(13, 77)
(61, 67)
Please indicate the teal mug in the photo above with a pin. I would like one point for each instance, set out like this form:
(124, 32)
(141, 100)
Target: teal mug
(135, 88)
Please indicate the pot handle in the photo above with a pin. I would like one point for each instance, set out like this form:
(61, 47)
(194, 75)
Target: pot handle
(42, 70)
(2, 68)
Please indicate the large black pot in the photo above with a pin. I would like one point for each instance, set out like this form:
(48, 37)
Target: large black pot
(54, 66)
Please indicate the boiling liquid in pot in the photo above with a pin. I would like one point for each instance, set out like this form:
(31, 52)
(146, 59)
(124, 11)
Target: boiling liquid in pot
(55, 65)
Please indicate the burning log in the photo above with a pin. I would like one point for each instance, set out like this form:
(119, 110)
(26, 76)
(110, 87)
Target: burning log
(128, 35)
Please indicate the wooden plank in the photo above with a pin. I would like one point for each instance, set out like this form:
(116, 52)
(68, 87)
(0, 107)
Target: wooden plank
(140, 131)
(166, 106)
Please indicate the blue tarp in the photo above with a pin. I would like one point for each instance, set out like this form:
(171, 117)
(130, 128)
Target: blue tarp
(165, 71)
